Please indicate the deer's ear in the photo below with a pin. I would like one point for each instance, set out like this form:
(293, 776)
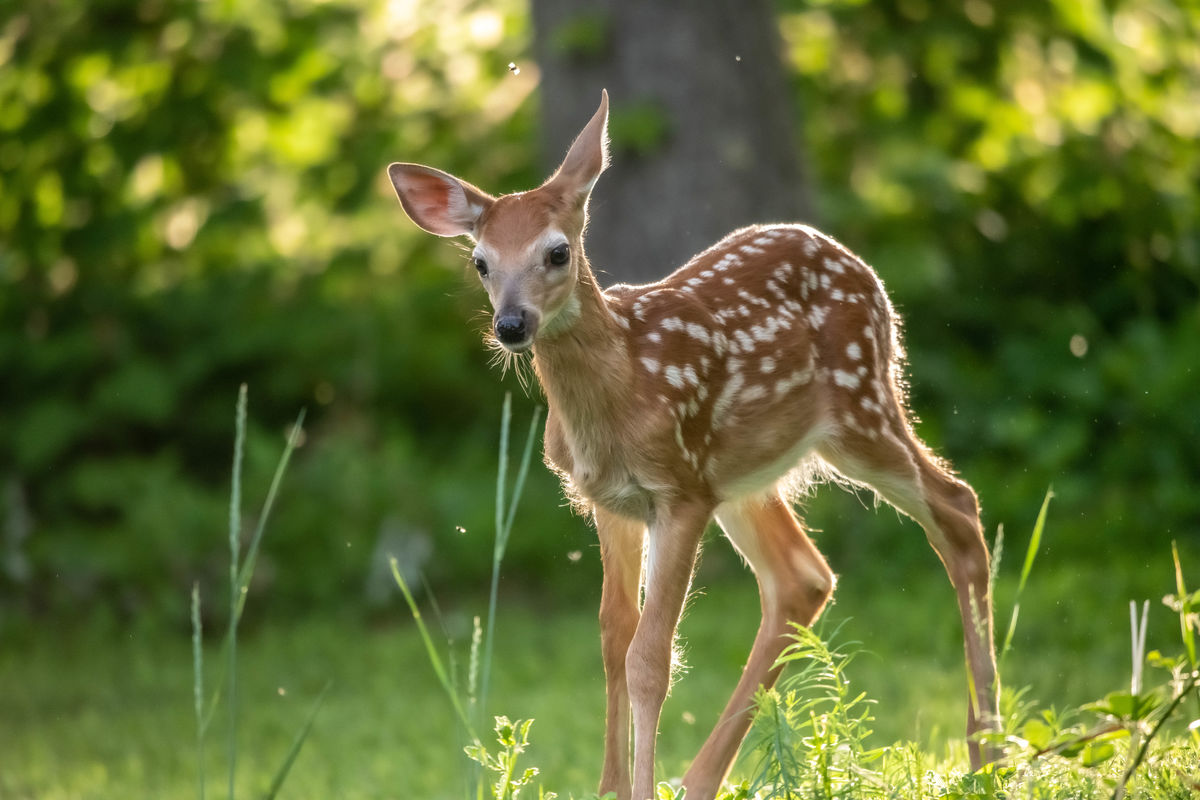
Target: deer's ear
(438, 202)
(588, 156)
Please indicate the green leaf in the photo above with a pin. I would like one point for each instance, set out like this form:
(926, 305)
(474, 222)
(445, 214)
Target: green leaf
(664, 791)
(1037, 733)
(1035, 541)
(1127, 706)
(1096, 753)
(1187, 604)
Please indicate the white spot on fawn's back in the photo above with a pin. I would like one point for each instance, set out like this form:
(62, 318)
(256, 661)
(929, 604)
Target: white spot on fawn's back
(847, 379)
(753, 393)
(725, 399)
(698, 332)
(797, 378)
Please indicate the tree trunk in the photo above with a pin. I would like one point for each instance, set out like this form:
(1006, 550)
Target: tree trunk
(703, 127)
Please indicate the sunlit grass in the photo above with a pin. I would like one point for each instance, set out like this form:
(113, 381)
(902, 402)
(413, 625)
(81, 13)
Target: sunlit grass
(109, 714)
(104, 711)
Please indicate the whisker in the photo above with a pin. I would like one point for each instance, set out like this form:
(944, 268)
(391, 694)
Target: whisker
(506, 360)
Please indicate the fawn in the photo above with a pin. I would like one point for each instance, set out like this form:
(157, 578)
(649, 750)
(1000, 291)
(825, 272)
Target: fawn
(773, 356)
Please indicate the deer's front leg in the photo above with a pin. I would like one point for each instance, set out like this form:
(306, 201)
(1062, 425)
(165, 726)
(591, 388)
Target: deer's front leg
(621, 542)
(670, 557)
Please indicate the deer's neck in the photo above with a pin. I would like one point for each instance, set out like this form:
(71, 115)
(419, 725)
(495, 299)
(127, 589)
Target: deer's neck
(583, 364)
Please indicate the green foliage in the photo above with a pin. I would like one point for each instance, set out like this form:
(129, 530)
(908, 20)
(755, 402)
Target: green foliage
(1023, 177)
(513, 738)
(240, 573)
(809, 735)
(192, 197)
(107, 732)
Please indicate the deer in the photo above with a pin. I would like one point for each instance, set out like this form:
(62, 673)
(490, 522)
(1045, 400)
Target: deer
(771, 359)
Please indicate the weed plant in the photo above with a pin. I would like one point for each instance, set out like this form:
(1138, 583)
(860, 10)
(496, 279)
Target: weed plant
(240, 574)
(809, 737)
(512, 737)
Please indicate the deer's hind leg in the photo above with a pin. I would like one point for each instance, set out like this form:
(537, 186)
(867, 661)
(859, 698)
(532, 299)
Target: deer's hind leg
(881, 451)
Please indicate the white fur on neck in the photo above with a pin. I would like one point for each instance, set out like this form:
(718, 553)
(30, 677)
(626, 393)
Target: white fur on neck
(562, 319)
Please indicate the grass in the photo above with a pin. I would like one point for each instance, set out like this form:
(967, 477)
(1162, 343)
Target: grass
(110, 715)
(106, 712)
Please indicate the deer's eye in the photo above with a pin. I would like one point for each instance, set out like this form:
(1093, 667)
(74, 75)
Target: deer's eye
(560, 254)
(480, 266)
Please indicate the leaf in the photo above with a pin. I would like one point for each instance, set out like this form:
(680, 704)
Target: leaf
(664, 791)
(504, 732)
(1157, 659)
(1037, 733)
(1186, 605)
(1081, 744)
(1126, 705)
(1096, 753)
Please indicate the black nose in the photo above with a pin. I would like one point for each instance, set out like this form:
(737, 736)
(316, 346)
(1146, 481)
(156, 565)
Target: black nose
(510, 327)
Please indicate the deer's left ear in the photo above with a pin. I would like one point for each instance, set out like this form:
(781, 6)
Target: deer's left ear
(437, 201)
(588, 156)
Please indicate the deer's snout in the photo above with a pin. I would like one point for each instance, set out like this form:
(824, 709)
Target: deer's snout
(515, 328)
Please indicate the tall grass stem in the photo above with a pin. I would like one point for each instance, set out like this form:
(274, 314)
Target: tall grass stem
(1035, 541)
(198, 687)
(246, 570)
(235, 527)
(297, 743)
(430, 650)
(504, 522)
(1181, 591)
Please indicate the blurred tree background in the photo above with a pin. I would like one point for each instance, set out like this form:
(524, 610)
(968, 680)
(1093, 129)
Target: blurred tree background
(192, 196)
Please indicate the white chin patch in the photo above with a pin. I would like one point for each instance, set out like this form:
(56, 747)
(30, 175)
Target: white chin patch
(517, 347)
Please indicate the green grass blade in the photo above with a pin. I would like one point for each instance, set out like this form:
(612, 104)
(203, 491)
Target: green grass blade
(1185, 630)
(198, 687)
(235, 503)
(522, 471)
(501, 480)
(502, 475)
(1035, 541)
(434, 659)
(247, 571)
(503, 530)
(297, 743)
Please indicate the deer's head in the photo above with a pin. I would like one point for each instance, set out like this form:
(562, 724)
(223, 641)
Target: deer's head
(528, 245)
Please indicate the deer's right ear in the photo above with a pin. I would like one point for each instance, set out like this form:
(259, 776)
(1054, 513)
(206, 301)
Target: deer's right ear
(438, 202)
